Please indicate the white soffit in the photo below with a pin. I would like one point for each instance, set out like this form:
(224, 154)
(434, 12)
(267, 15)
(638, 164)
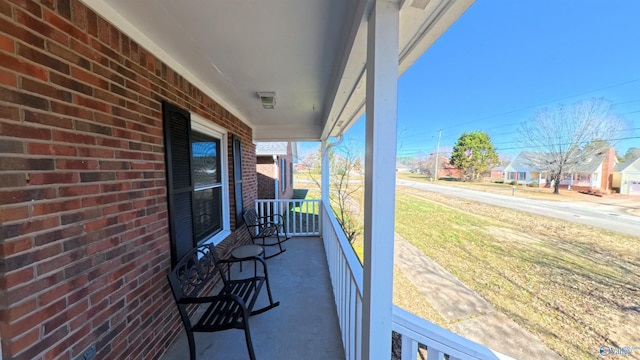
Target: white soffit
(311, 53)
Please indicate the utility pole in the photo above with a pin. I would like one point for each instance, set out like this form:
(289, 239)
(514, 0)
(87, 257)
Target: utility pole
(437, 155)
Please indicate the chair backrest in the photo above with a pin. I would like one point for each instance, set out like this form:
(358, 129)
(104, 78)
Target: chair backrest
(250, 217)
(194, 272)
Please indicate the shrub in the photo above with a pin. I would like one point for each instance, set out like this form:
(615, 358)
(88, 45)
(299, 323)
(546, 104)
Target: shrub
(514, 182)
(499, 181)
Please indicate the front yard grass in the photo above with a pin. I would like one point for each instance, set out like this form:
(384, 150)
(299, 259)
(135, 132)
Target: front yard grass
(573, 286)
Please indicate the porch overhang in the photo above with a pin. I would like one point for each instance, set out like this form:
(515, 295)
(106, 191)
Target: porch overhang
(312, 54)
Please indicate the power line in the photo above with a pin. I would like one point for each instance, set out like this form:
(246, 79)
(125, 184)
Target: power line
(564, 144)
(545, 103)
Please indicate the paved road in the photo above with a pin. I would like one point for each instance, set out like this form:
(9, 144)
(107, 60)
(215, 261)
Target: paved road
(604, 217)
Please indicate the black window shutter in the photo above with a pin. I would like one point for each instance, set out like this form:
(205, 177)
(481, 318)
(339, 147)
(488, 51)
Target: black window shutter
(177, 141)
(237, 178)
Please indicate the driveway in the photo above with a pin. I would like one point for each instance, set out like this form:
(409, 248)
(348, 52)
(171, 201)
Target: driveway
(610, 216)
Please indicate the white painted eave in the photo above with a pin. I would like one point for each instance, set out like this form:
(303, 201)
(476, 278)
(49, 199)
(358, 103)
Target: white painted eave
(312, 53)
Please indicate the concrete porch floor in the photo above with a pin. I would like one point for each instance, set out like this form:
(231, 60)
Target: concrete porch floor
(304, 326)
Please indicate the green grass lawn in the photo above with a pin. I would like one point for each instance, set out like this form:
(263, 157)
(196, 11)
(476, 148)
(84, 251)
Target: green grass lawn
(575, 287)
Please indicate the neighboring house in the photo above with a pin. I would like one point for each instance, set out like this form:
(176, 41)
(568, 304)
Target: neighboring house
(593, 174)
(403, 168)
(274, 166)
(519, 170)
(626, 178)
(448, 171)
(497, 172)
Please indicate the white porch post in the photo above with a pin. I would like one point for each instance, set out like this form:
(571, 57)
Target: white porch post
(380, 181)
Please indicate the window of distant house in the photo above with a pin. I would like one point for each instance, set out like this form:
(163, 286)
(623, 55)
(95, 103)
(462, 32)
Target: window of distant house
(512, 176)
(283, 174)
(291, 174)
(522, 176)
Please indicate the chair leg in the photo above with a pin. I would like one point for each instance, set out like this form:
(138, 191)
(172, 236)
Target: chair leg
(247, 337)
(192, 346)
(278, 243)
(266, 279)
(272, 304)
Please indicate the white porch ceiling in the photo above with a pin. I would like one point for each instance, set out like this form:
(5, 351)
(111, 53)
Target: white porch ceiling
(312, 53)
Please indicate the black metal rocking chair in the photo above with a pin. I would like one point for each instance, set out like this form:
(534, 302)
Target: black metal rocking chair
(193, 278)
(266, 227)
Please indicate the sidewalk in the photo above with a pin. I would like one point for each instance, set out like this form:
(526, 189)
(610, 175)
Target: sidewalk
(470, 315)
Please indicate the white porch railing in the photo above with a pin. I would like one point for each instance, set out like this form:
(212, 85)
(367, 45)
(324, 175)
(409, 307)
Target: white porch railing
(301, 217)
(439, 342)
(346, 278)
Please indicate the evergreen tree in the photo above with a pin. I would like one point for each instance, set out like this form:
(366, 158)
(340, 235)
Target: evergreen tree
(474, 154)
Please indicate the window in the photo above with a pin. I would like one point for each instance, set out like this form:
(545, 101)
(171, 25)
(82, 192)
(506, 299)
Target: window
(207, 195)
(197, 180)
(283, 174)
(522, 176)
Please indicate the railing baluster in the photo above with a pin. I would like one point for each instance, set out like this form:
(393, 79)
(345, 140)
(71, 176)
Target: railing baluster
(434, 354)
(301, 217)
(409, 348)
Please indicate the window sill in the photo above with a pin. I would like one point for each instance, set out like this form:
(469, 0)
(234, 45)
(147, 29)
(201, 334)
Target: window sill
(217, 238)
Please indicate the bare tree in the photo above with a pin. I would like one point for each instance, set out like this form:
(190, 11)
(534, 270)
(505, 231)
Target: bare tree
(345, 168)
(346, 171)
(565, 136)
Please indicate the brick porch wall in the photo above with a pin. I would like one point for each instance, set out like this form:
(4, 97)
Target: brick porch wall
(84, 247)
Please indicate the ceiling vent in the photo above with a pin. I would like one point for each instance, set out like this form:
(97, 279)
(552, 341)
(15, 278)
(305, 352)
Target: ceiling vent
(268, 99)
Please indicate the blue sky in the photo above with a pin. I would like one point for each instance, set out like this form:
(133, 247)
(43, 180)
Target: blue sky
(503, 60)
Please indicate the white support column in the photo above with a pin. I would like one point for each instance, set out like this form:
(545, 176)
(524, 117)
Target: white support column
(380, 178)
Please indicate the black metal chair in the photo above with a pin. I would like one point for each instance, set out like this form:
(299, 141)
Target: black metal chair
(266, 227)
(193, 279)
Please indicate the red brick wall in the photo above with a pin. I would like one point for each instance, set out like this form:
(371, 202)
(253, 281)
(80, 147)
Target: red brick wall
(84, 245)
(608, 165)
(265, 169)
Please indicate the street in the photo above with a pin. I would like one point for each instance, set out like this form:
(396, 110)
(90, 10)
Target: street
(592, 214)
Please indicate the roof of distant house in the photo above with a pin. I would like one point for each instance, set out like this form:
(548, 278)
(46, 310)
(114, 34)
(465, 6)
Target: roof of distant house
(592, 164)
(275, 148)
(522, 163)
(632, 165)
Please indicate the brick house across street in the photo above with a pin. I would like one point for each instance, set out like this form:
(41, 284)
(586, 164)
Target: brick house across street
(274, 165)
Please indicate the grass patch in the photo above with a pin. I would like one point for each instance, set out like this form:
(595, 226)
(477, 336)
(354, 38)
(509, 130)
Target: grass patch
(573, 286)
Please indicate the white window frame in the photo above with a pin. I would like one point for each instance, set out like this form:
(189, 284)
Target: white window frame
(201, 125)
